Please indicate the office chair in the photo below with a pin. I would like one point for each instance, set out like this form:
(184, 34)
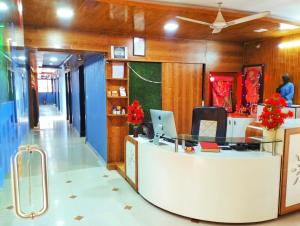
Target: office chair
(209, 122)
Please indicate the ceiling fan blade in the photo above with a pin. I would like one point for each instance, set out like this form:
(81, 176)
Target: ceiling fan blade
(193, 21)
(248, 18)
(216, 30)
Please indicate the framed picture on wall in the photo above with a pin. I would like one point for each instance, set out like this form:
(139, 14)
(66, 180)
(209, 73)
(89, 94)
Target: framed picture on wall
(119, 52)
(252, 86)
(139, 46)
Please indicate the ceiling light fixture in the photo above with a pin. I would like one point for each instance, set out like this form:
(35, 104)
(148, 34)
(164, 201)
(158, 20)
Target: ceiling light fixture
(284, 26)
(261, 30)
(3, 6)
(290, 44)
(171, 26)
(65, 13)
(53, 59)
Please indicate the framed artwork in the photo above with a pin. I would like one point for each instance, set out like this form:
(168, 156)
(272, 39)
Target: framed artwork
(139, 46)
(222, 88)
(118, 70)
(252, 86)
(119, 52)
(290, 182)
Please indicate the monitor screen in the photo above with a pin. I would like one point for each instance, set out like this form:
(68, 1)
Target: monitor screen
(163, 123)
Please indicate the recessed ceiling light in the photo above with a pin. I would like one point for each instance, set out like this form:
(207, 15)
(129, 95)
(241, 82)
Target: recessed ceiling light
(261, 30)
(284, 26)
(53, 59)
(65, 13)
(3, 6)
(171, 26)
(22, 58)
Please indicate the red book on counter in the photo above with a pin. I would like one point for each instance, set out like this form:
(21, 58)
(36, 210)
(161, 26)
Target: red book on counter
(209, 147)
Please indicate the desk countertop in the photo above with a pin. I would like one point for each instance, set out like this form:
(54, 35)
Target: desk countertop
(170, 147)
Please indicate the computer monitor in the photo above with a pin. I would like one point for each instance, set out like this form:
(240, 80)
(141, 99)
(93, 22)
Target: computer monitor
(163, 124)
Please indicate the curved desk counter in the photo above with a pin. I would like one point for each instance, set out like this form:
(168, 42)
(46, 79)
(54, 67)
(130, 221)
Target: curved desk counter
(229, 187)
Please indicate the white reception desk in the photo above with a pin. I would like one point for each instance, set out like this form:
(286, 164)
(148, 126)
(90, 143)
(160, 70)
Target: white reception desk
(229, 187)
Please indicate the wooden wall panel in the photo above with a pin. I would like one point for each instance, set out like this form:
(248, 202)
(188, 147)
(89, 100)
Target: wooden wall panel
(222, 57)
(157, 50)
(277, 61)
(181, 92)
(218, 56)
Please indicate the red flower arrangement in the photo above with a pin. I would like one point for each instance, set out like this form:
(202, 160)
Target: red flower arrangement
(135, 113)
(272, 116)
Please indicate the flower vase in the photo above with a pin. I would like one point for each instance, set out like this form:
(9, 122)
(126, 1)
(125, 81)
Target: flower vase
(135, 131)
(269, 135)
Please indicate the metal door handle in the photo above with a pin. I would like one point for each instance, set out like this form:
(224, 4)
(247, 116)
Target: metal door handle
(15, 181)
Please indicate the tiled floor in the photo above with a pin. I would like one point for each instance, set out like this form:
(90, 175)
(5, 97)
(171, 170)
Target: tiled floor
(83, 192)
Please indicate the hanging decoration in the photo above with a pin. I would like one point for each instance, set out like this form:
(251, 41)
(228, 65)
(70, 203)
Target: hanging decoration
(222, 91)
(140, 76)
(253, 78)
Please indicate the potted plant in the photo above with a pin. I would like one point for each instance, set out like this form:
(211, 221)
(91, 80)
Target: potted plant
(272, 116)
(135, 116)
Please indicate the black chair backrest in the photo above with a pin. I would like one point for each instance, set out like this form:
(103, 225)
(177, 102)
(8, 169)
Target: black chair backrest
(218, 114)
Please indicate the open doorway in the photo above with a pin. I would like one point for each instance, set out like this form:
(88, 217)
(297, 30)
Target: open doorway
(60, 86)
(68, 96)
(82, 101)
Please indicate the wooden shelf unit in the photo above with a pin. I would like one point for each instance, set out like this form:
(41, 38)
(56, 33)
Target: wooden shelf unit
(113, 97)
(117, 79)
(117, 126)
(112, 115)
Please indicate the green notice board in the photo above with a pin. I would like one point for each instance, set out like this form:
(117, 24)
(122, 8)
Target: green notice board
(148, 93)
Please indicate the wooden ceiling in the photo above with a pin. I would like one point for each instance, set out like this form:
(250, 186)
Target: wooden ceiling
(145, 19)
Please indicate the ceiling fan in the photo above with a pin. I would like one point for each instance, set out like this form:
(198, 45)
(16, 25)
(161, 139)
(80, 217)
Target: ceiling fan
(220, 22)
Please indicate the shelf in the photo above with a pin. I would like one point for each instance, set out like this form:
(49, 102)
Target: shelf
(117, 126)
(117, 79)
(117, 97)
(117, 60)
(112, 115)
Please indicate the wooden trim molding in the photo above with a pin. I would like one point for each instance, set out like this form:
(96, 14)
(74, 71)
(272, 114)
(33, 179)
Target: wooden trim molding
(135, 143)
(290, 173)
